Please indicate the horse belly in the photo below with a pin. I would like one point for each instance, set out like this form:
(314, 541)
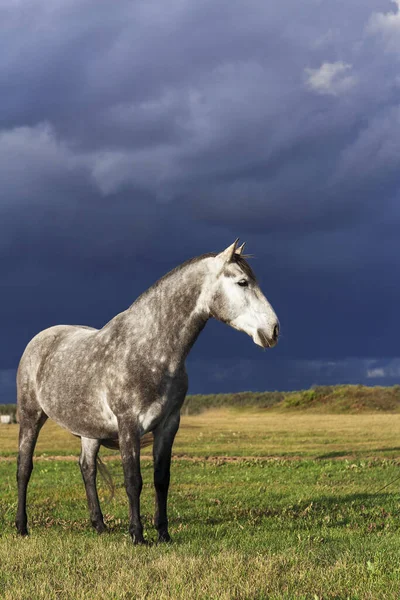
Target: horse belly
(103, 425)
(84, 420)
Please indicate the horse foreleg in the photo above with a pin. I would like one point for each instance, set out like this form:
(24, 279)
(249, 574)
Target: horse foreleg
(164, 437)
(88, 465)
(31, 421)
(129, 443)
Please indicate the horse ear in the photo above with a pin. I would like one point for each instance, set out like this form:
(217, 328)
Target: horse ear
(240, 249)
(228, 253)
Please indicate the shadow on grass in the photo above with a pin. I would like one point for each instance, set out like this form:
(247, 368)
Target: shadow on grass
(356, 454)
(335, 454)
(365, 511)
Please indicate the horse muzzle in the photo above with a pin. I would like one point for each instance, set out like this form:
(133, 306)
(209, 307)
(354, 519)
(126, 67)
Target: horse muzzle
(267, 339)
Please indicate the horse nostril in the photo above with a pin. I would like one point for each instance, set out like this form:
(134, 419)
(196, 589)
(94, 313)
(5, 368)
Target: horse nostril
(276, 332)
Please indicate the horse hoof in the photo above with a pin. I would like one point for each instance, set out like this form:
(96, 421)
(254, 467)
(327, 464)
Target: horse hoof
(22, 531)
(139, 541)
(164, 538)
(101, 528)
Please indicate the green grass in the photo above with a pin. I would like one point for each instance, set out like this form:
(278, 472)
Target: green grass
(287, 519)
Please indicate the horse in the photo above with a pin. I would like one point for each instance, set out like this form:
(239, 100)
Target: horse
(116, 385)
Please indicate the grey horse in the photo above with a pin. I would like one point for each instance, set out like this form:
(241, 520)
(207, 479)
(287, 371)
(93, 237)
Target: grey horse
(113, 386)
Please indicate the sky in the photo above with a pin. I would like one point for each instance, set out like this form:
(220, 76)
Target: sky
(135, 135)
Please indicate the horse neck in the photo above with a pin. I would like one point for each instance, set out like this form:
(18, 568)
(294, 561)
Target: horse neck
(166, 320)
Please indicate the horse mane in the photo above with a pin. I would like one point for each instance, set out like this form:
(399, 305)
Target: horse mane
(237, 258)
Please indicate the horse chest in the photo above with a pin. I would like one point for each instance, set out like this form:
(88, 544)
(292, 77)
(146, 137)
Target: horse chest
(157, 412)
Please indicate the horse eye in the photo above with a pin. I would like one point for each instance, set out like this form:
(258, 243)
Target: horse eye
(243, 283)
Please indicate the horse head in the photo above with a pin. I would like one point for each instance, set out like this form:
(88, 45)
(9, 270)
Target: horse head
(235, 298)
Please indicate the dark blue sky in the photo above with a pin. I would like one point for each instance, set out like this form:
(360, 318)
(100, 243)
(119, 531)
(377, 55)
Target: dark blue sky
(135, 135)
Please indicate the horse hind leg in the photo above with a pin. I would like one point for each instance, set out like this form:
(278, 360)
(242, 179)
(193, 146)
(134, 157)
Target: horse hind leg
(31, 419)
(88, 464)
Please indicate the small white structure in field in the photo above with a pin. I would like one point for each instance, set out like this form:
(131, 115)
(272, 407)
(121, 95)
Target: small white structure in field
(5, 419)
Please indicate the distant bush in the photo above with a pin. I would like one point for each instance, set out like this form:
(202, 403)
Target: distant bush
(332, 399)
(9, 409)
(199, 402)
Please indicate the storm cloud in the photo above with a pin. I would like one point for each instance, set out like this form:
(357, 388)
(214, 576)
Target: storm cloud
(136, 135)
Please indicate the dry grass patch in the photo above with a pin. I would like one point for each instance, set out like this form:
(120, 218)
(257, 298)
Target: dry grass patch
(253, 433)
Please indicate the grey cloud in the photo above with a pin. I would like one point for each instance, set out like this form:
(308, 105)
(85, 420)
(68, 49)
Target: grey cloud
(31, 161)
(331, 78)
(386, 25)
(143, 101)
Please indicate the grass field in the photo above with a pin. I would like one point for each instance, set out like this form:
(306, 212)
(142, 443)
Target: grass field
(262, 505)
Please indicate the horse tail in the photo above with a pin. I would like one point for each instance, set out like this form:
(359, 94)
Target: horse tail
(105, 472)
(106, 476)
(146, 440)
